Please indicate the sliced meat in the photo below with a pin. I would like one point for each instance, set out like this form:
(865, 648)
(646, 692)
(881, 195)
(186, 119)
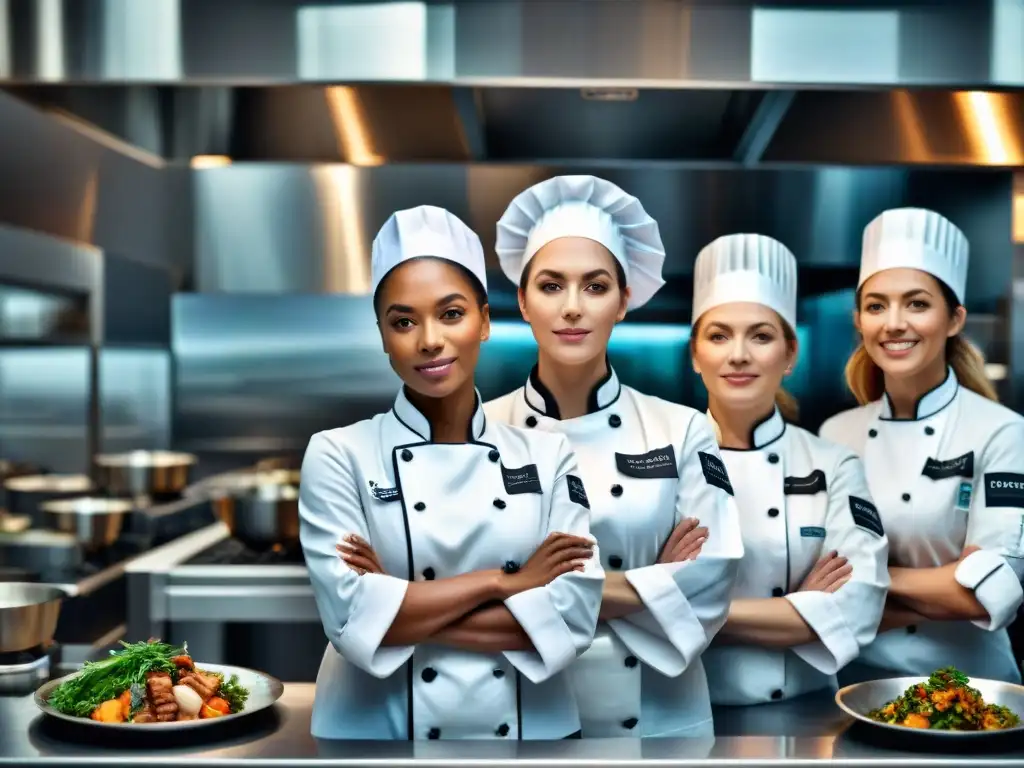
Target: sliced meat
(146, 714)
(206, 685)
(158, 686)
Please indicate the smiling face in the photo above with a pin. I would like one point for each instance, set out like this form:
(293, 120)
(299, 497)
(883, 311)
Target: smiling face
(742, 351)
(572, 295)
(904, 317)
(432, 317)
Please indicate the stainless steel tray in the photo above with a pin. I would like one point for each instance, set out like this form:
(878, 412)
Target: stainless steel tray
(859, 699)
(263, 689)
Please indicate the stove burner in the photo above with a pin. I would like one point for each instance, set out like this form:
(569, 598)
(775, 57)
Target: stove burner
(22, 672)
(17, 658)
(234, 552)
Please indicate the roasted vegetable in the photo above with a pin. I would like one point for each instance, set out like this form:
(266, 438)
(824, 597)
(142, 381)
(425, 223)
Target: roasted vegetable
(945, 702)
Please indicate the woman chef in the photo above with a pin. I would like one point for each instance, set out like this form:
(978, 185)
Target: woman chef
(582, 252)
(470, 516)
(945, 461)
(811, 587)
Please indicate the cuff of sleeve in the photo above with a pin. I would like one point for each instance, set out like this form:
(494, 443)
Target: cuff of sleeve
(668, 606)
(359, 641)
(837, 645)
(995, 586)
(554, 648)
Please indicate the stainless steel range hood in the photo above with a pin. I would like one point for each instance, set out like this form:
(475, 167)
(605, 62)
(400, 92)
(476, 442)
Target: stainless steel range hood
(537, 81)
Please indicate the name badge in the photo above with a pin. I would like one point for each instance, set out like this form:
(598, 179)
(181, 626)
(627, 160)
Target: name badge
(522, 480)
(1004, 489)
(715, 472)
(577, 492)
(384, 494)
(812, 532)
(961, 466)
(659, 463)
(805, 486)
(865, 515)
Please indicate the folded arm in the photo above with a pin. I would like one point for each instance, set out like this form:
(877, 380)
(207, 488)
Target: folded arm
(684, 604)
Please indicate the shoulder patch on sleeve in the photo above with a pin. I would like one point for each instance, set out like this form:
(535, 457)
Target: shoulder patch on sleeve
(1004, 489)
(577, 492)
(715, 472)
(866, 516)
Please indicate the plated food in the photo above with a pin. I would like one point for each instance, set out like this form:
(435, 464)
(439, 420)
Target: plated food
(945, 701)
(150, 682)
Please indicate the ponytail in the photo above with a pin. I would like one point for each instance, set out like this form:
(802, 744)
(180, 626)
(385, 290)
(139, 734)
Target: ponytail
(867, 382)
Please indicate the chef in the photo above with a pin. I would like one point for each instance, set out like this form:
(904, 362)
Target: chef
(582, 253)
(473, 522)
(812, 584)
(944, 460)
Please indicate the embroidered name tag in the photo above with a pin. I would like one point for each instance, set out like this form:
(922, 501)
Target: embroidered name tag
(1004, 489)
(810, 485)
(865, 515)
(521, 480)
(659, 463)
(961, 466)
(812, 532)
(714, 472)
(384, 494)
(577, 492)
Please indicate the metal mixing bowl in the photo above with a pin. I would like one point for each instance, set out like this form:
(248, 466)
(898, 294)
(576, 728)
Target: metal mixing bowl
(96, 522)
(143, 473)
(28, 615)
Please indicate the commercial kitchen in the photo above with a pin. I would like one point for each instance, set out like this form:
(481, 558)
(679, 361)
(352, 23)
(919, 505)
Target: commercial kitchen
(188, 193)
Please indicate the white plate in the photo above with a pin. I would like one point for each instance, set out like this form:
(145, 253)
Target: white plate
(859, 699)
(263, 689)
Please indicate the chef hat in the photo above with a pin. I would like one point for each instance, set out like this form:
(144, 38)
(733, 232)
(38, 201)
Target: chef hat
(918, 239)
(752, 268)
(426, 231)
(583, 206)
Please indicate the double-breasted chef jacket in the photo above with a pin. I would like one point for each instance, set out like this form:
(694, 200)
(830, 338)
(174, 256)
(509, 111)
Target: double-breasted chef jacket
(800, 497)
(951, 477)
(431, 511)
(647, 465)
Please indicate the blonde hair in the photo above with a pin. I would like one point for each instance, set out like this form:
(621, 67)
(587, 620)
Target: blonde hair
(787, 403)
(867, 382)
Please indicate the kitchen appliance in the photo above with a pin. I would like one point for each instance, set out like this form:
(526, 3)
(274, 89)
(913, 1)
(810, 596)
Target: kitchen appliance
(231, 602)
(26, 493)
(144, 475)
(28, 621)
(259, 507)
(95, 522)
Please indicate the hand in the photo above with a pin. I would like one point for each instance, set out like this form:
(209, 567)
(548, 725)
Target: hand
(560, 553)
(828, 574)
(359, 555)
(684, 543)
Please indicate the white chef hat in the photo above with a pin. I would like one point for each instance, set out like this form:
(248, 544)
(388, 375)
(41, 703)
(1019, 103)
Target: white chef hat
(752, 268)
(583, 206)
(919, 239)
(426, 231)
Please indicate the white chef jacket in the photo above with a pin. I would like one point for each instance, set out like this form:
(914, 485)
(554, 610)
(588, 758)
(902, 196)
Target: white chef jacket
(434, 510)
(800, 497)
(950, 477)
(648, 464)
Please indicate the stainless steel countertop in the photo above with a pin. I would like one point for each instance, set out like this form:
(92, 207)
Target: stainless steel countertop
(803, 732)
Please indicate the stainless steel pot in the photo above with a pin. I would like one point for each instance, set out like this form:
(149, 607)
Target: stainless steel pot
(264, 514)
(28, 615)
(26, 494)
(95, 522)
(144, 473)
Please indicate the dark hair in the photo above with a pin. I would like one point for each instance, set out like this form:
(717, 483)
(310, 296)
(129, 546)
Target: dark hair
(620, 275)
(479, 293)
(867, 382)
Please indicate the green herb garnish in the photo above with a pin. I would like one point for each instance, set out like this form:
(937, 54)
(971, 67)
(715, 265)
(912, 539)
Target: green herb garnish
(108, 678)
(232, 692)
